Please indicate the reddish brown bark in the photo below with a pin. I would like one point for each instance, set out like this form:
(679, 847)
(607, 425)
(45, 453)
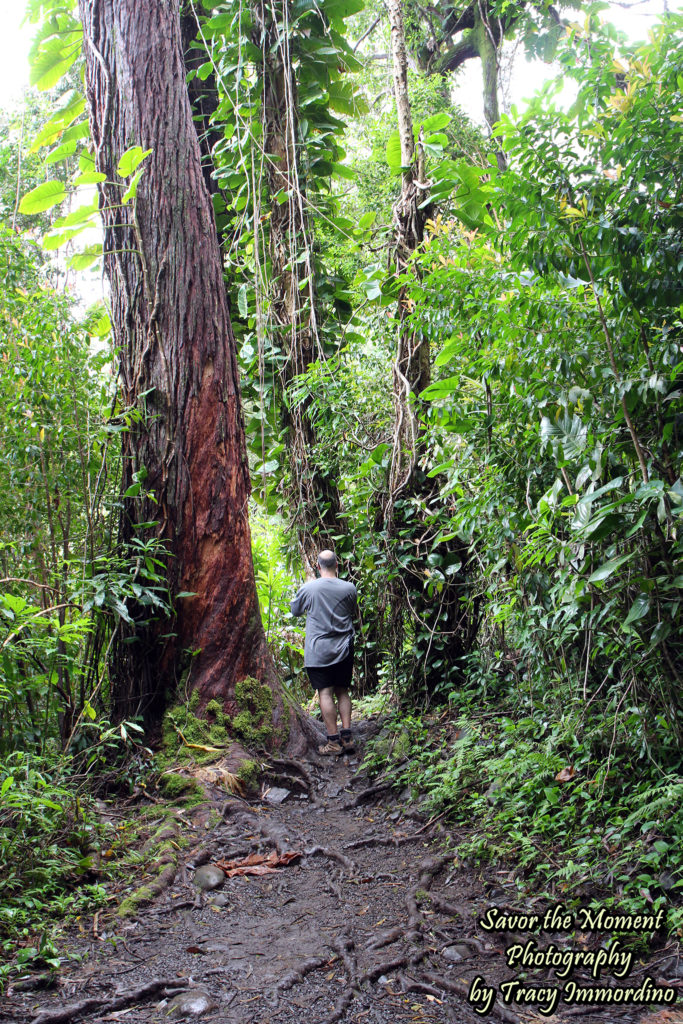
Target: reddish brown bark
(177, 363)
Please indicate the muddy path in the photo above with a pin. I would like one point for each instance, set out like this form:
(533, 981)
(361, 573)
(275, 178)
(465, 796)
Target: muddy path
(375, 922)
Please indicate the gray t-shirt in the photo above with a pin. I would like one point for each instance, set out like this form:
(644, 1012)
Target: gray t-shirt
(329, 605)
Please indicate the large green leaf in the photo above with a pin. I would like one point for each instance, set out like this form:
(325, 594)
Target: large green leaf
(44, 197)
(52, 62)
(441, 389)
(608, 568)
(84, 259)
(393, 152)
(566, 435)
(639, 609)
(130, 160)
(54, 128)
(436, 122)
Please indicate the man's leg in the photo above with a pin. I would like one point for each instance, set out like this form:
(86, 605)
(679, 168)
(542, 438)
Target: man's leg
(328, 709)
(344, 705)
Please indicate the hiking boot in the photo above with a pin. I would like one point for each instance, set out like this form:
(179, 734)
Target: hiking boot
(347, 742)
(331, 747)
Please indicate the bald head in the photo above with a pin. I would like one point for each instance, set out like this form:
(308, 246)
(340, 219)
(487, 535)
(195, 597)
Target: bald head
(327, 562)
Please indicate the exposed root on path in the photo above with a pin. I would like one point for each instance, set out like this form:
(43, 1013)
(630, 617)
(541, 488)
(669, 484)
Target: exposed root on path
(293, 978)
(386, 938)
(326, 851)
(343, 946)
(462, 990)
(297, 766)
(452, 909)
(395, 841)
(275, 834)
(366, 794)
(100, 1004)
(409, 960)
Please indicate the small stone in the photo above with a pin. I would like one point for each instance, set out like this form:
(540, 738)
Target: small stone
(395, 816)
(457, 952)
(276, 795)
(208, 877)
(219, 900)
(192, 1003)
(383, 980)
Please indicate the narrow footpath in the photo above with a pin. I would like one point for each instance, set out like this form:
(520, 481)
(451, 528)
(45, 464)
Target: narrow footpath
(362, 913)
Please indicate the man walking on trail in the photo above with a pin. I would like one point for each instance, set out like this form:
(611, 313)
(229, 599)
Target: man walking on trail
(329, 605)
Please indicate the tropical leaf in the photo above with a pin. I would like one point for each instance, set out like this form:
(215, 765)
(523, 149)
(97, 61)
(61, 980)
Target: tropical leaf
(44, 197)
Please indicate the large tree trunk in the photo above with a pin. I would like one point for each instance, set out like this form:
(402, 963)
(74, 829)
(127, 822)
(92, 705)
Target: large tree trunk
(178, 367)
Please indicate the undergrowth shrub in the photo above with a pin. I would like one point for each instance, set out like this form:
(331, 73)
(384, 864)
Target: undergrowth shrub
(531, 792)
(47, 835)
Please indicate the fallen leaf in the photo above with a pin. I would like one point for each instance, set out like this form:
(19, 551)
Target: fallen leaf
(257, 863)
(566, 775)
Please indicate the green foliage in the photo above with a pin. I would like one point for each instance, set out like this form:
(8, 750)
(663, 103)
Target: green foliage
(551, 420)
(275, 586)
(48, 836)
(527, 790)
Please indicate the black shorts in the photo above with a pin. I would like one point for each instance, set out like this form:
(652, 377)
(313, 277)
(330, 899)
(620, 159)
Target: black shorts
(338, 675)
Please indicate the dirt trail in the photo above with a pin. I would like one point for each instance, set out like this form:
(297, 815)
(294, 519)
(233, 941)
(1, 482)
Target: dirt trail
(376, 922)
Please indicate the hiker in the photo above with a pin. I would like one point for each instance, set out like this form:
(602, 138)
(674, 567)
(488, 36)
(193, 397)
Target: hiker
(329, 605)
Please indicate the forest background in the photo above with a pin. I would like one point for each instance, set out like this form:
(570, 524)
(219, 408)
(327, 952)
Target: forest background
(459, 350)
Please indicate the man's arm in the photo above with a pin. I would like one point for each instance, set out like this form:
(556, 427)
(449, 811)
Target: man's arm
(298, 603)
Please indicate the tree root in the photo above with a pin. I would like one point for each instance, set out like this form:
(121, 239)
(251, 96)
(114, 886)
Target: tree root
(285, 762)
(292, 781)
(399, 962)
(240, 811)
(325, 851)
(387, 938)
(313, 730)
(366, 794)
(447, 908)
(340, 1007)
(428, 869)
(342, 947)
(461, 989)
(409, 985)
(179, 905)
(65, 1014)
(431, 867)
(292, 978)
(379, 841)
